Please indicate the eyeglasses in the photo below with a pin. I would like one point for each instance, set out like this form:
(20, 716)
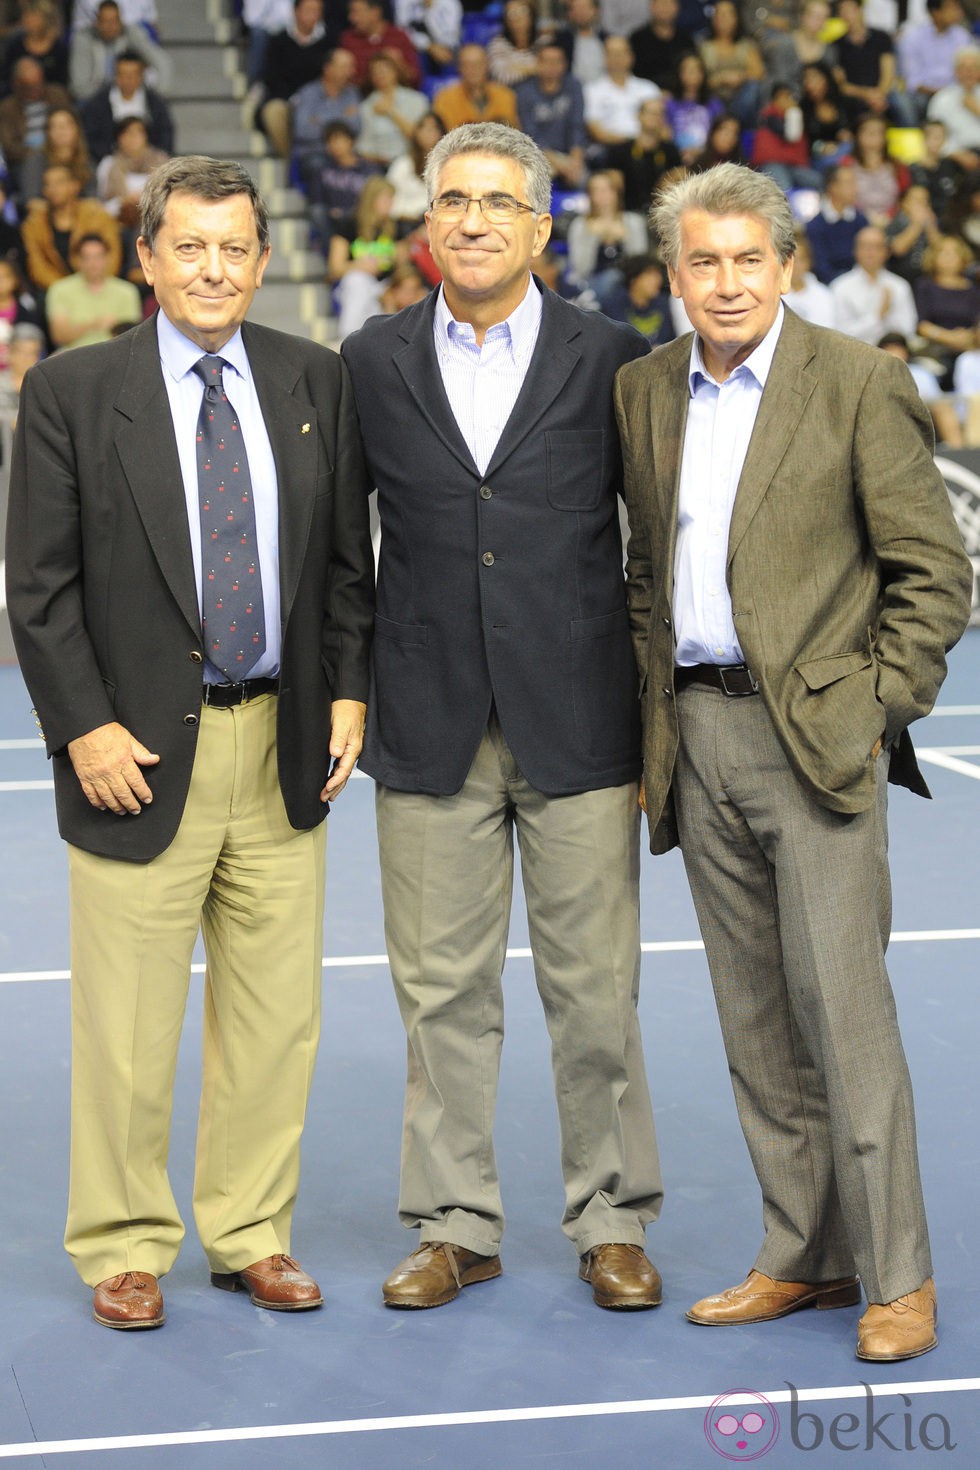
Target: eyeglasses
(497, 209)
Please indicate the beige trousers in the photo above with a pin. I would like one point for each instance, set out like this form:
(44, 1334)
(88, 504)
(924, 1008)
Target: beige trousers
(254, 886)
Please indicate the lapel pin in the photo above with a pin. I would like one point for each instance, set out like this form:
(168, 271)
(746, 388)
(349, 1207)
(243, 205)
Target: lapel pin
(305, 429)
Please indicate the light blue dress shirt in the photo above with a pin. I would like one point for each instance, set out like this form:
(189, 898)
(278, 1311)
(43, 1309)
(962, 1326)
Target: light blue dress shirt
(185, 390)
(720, 420)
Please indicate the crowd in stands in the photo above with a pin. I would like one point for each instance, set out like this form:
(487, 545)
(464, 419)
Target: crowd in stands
(867, 115)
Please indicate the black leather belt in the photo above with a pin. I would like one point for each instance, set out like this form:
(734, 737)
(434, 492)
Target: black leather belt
(735, 680)
(225, 696)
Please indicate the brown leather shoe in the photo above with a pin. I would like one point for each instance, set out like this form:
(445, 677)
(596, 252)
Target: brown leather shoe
(621, 1277)
(900, 1329)
(435, 1273)
(278, 1282)
(130, 1300)
(762, 1299)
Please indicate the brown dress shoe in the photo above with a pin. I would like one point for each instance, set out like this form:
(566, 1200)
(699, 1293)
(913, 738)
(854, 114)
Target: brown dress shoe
(434, 1274)
(762, 1299)
(900, 1329)
(278, 1282)
(621, 1277)
(130, 1300)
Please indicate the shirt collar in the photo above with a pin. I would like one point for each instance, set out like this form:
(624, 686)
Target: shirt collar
(757, 363)
(521, 326)
(179, 354)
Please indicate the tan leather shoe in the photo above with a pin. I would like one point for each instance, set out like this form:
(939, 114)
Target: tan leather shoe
(277, 1282)
(900, 1329)
(762, 1299)
(621, 1277)
(435, 1273)
(130, 1300)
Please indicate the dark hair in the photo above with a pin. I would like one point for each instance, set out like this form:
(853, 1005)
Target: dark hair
(130, 56)
(204, 178)
(337, 126)
(635, 266)
(92, 238)
(739, 32)
(120, 127)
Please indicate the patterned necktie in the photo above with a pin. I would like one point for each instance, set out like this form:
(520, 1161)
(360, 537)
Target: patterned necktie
(232, 612)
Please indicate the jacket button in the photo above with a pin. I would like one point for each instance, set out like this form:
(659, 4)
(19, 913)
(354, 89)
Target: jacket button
(195, 656)
(485, 492)
(488, 558)
(668, 691)
(190, 719)
(666, 622)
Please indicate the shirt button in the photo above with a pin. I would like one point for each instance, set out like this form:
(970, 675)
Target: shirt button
(485, 492)
(488, 558)
(190, 719)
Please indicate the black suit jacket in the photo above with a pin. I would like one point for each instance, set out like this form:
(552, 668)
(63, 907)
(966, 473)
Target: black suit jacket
(99, 124)
(101, 590)
(504, 587)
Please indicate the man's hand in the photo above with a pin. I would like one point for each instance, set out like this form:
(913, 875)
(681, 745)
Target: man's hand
(107, 762)
(346, 739)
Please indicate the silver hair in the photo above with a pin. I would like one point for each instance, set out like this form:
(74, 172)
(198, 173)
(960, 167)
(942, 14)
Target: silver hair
(498, 141)
(203, 178)
(726, 189)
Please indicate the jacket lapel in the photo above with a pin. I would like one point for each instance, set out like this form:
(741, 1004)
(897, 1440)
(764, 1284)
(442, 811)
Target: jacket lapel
(668, 422)
(552, 363)
(419, 367)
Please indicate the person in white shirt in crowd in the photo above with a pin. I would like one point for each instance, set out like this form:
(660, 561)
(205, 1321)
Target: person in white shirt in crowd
(623, 17)
(388, 113)
(94, 48)
(958, 108)
(581, 39)
(612, 104)
(434, 29)
(949, 430)
(808, 297)
(134, 13)
(870, 300)
(927, 52)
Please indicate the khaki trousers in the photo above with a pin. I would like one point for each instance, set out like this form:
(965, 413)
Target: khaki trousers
(254, 885)
(447, 877)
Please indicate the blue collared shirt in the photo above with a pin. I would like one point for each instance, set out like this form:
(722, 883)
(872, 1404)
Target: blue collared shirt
(720, 420)
(483, 383)
(185, 390)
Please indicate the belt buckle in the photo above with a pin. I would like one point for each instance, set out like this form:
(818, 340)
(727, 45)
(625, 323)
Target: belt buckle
(740, 669)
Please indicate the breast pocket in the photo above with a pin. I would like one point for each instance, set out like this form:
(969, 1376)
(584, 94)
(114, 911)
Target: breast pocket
(575, 468)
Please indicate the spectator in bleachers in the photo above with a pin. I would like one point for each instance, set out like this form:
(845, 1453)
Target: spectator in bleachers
(474, 98)
(551, 108)
(388, 114)
(64, 142)
(600, 240)
(834, 228)
(511, 53)
(41, 37)
(690, 108)
(825, 119)
(127, 96)
(966, 385)
(643, 162)
(262, 20)
(910, 233)
(581, 38)
(962, 218)
(864, 68)
(944, 417)
(134, 13)
(940, 175)
(404, 287)
(24, 116)
(332, 97)
(56, 223)
(293, 58)
(369, 33)
(94, 48)
(958, 108)
(433, 27)
(120, 181)
(927, 52)
(789, 52)
(612, 104)
(17, 306)
(733, 64)
(724, 144)
(868, 299)
(363, 255)
(947, 301)
(881, 180)
(641, 301)
(85, 307)
(337, 175)
(808, 297)
(11, 243)
(26, 347)
(659, 46)
(781, 148)
(623, 17)
(405, 175)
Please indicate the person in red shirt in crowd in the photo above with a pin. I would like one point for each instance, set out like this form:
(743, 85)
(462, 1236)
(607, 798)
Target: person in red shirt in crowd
(370, 33)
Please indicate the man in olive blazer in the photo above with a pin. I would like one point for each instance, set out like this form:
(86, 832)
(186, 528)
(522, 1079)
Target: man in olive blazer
(793, 591)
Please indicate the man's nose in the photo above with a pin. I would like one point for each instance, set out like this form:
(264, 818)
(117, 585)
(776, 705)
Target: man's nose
(728, 281)
(213, 267)
(473, 221)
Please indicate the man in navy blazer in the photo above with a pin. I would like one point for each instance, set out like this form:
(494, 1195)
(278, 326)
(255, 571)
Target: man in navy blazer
(504, 695)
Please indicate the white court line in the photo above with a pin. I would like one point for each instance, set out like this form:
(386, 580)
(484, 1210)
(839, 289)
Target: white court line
(949, 763)
(651, 946)
(479, 1416)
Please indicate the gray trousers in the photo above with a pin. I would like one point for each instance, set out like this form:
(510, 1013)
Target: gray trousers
(794, 903)
(447, 878)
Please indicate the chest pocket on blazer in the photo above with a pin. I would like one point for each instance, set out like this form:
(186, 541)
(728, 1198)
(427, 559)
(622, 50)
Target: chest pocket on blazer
(575, 468)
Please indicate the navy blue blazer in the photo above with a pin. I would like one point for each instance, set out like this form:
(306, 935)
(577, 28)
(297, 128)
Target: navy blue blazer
(504, 588)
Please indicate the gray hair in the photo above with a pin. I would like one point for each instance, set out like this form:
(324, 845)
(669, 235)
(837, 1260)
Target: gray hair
(726, 189)
(498, 141)
(204, 178)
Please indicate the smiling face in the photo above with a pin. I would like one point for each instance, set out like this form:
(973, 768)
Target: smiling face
(730, 280)
(485, 267)
(205, 266)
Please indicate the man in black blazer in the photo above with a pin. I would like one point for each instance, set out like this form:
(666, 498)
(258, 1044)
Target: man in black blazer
(503, 695)
(186, 807)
